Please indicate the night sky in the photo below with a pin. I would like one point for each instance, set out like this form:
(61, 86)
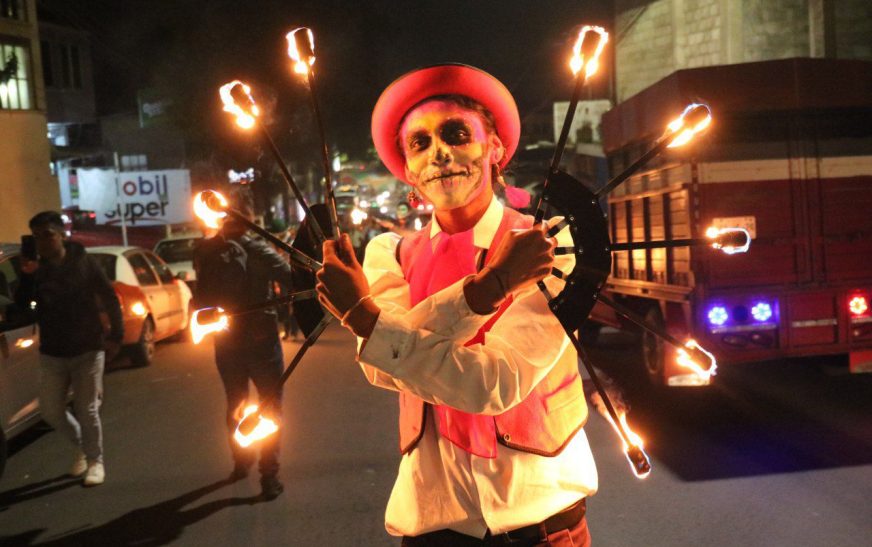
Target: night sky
(187, 48)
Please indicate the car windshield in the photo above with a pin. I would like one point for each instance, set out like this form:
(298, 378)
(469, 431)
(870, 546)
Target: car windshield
(107, 263)
(176, 250)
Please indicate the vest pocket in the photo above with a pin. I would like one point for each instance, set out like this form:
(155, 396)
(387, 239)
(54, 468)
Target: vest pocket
(564, 395)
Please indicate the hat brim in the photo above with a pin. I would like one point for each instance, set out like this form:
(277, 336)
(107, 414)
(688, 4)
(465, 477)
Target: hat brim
(447, 79)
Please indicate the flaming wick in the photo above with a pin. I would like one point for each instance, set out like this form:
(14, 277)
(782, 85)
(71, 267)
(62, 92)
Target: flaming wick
(301, 49)
(588, 47)
(210, 204)
(237, 100)
(207, 321)
(693, 120)
(252, 421)
(729, 240)
(685, 360)
(253, 426)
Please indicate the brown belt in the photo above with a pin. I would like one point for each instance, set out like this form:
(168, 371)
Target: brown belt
(527, 535)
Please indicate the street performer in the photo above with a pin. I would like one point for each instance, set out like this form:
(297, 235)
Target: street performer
(491, 401)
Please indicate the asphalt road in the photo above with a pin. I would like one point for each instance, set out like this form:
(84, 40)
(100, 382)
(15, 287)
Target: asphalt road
(779, 454)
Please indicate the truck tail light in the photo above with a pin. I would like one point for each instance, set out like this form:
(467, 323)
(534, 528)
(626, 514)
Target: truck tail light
(761, 311)
(858, 305)
(717, 315)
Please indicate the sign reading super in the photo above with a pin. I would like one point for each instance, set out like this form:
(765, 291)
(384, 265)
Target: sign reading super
(145, 198)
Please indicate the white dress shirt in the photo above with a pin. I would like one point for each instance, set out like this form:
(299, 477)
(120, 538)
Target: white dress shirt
(420, 351)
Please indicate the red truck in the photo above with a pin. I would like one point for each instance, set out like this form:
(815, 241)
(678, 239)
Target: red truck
(789, 158)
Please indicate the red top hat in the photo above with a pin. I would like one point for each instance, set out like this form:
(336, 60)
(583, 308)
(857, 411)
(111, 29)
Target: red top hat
(447, 79)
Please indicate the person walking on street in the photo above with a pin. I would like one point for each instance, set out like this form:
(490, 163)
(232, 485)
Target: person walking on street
(69, 289)
(235, 270)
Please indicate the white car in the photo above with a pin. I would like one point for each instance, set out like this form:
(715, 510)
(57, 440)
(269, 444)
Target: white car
(178, 253)
(19, 356)
(154, 303)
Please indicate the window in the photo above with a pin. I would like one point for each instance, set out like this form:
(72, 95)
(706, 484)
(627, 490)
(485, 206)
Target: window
(47, 72)
(142, 270)
(134, 163)
(107, 264)
(13, 9)
(166, 276)
(14, 84)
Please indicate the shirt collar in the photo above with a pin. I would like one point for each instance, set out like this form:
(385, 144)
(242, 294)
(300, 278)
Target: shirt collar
(485, 229)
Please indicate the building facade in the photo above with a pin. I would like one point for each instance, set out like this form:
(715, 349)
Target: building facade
(26, 183)
(654, 38)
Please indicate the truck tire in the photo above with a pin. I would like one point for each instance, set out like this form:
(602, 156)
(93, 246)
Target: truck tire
(142, 352)
(653, 348)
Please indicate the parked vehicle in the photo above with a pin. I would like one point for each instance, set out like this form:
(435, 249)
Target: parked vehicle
(787, 158)
(19, 356)
(178, 253)
(155, 304)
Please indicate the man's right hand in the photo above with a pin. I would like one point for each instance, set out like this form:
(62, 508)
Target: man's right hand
(522, 258)
(28, 266)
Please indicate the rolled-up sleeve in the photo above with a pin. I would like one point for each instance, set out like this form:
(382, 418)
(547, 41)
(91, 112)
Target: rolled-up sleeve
(421, 350)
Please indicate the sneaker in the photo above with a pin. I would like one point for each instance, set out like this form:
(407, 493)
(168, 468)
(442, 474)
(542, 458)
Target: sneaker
(270, 487)
(80, 465)
(95, 475)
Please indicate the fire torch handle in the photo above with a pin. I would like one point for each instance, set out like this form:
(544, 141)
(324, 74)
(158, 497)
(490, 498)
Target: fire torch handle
(307, 343)
(561, 141)
(632, 317)
(658, 147)
(582, 355)
(329, 197)
(271, 302)
(317, 232)
(297, 255)
(310, 340)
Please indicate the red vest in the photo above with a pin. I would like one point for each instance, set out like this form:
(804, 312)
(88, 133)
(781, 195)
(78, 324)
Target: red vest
(545, 421)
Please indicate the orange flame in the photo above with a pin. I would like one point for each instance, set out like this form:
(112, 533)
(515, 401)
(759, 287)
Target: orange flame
(703, 371)
(302, 59)
(213, 320)
(582, 56)
(719, 235)
(204, 208)
(637, 443)
(253, 427)
(695, 118)
(247, 114)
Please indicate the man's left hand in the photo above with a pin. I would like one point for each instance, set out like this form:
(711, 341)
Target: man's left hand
(341, 283)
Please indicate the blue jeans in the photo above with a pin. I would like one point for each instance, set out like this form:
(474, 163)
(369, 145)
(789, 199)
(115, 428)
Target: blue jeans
(84, 374)
(236, 367)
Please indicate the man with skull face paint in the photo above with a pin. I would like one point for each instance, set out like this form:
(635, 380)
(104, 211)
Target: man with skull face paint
(491, 402)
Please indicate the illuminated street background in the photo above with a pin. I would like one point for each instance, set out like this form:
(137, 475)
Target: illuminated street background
(110, 114)
(781, 458)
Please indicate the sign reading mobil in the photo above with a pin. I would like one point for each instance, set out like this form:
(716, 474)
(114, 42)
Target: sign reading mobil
(145, 198)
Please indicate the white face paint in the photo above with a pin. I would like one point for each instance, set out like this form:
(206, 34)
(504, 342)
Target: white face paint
(449, 153)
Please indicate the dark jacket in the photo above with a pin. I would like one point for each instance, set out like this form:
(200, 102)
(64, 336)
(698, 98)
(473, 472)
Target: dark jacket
(69, 298)
(254, 332)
